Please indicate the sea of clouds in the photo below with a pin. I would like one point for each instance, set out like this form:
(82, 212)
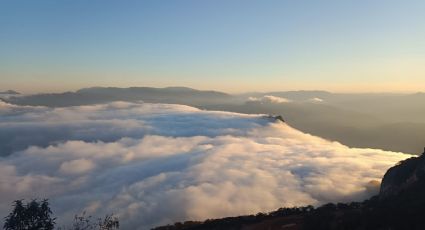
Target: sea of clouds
(153, 164)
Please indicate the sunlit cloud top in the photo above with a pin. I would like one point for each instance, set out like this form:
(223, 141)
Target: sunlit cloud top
(154, 164)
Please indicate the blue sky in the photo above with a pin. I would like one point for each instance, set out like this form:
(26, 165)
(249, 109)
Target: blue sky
(229, 45)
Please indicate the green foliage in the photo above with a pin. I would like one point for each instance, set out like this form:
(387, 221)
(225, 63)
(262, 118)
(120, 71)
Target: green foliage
(34, 215)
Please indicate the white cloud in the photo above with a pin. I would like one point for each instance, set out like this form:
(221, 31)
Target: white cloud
(275, 99)
(254, 99)
(77, 166)
(316, 100)
(155, 164)
(269, 99)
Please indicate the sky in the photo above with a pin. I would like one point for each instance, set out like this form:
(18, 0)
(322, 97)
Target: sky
(228, 45)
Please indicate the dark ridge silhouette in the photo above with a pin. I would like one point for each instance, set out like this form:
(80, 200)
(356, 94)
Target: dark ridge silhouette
(400, 205)
(10, 92)
(96, 95)
(403, 177)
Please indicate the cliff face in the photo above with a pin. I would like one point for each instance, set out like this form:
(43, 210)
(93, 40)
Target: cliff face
(402, 177)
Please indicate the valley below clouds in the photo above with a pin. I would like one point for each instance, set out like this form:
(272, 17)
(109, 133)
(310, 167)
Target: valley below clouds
(154, 164)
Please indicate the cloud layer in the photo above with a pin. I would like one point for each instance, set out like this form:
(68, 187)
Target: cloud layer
(154, 164)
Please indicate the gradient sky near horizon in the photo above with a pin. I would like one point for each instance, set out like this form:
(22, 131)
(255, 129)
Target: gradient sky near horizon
(228, 45)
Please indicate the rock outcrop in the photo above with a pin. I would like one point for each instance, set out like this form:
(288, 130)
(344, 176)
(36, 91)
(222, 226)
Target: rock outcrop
(403, 176)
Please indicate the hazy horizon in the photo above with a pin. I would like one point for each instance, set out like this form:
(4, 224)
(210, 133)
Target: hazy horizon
(230, 46)
(72, 89)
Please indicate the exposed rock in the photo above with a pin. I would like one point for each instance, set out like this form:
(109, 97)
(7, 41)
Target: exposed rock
(275, 118)
(403, 176)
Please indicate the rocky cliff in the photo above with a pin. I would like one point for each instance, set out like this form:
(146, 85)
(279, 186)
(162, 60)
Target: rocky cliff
(403, 177)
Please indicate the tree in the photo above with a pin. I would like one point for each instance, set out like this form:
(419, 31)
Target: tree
(110, 222)
(83, 222)
(34, 215)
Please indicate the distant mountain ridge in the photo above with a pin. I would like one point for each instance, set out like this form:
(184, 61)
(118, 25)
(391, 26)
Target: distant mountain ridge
(388, 121)
(95, 95)
(10, 92)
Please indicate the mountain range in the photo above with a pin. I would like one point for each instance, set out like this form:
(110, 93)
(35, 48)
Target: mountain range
(97, 95)
(370, 120)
